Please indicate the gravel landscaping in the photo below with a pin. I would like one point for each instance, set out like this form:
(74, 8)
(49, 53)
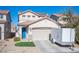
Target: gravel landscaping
(9, 47)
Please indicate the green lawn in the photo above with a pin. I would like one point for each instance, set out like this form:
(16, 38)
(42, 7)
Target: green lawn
(25, 44)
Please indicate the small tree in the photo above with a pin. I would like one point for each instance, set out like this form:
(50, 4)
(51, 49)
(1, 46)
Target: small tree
(73, 22)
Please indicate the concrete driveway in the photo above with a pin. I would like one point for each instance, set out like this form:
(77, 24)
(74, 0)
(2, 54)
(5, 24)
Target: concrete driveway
(47, 47)
(42, 46)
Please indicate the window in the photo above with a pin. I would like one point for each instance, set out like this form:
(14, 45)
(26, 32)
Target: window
(33, 16)
(23, 15)
(1, 16)
(39, 16)
(28, 15)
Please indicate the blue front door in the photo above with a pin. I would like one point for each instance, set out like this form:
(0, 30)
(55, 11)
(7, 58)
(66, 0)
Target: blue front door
(24, 33)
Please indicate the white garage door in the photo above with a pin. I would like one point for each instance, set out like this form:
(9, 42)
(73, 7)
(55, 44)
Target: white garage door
(40, 34)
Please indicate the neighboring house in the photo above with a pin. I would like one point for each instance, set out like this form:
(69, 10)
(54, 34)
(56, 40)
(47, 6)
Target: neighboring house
(60, 18)
(13, 30)
(35, 26)
(54, 17)
(5, 24)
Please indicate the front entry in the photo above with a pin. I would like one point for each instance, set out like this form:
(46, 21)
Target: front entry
(24, 33)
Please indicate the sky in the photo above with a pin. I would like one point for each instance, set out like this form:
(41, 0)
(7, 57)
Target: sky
(43, 9)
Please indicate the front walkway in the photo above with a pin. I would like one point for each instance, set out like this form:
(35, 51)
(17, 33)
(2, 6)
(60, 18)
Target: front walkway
(9, 47)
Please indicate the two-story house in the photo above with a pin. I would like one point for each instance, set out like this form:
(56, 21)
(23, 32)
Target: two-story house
(35, 26)
(5, 24)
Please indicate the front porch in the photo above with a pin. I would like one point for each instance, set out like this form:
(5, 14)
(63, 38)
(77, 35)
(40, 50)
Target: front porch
(25, 33)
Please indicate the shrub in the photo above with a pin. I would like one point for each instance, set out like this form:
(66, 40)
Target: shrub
(77, 34)
(17, 39)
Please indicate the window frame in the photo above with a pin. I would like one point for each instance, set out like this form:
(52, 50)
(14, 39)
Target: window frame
(1, 16)
(28, 15)
(33, 16)
(23, 15)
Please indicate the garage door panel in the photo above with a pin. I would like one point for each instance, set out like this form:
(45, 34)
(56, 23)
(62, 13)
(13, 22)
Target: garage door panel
(40, 34)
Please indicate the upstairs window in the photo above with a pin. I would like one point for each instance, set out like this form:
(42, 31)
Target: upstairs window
(39, 16)
(1, 16)
(23, 15)
(28, 16)
(33, 16)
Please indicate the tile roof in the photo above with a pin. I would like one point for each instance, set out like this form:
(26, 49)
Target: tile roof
(4, 12)
(26, 23)
(36, 13)
(56, 16)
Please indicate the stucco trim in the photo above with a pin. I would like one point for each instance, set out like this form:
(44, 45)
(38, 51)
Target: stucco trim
(5, 12)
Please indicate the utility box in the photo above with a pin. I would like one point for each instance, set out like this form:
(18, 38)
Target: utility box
(63, 36)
